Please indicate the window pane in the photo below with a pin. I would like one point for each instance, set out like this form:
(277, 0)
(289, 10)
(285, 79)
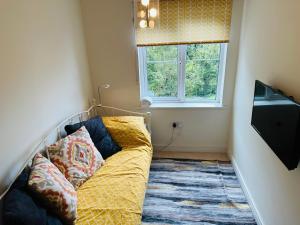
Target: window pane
(201, 71)
(162, 71)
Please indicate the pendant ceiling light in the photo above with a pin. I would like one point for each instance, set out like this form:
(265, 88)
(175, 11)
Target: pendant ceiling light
(147, 13)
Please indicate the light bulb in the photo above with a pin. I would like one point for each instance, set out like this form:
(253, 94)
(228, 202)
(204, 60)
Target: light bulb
(145, 2)
(153, 12)
(143, 23)
(142, 14)
(151, 23)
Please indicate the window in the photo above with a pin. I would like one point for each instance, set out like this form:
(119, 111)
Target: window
(182, 73)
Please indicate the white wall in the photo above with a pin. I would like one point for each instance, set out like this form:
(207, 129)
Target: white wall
(270, 52)
(112, 56)
(44, 74)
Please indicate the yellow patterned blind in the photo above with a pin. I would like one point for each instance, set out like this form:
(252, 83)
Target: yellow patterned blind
(188, 22)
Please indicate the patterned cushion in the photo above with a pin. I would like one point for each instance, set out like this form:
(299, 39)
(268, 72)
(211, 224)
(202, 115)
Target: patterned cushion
(76, 157)
(50, 185)
(99, 135)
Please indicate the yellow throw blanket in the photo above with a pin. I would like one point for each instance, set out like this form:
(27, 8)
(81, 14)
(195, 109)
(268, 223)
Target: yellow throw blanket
(114, 195)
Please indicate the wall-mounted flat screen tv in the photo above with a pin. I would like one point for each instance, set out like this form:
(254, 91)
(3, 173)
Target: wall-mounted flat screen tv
(276, 118)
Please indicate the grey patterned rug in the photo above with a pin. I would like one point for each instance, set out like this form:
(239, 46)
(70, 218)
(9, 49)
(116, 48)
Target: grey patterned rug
(195, 192)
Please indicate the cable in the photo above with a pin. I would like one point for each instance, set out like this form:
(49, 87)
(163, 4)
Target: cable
(170, 142)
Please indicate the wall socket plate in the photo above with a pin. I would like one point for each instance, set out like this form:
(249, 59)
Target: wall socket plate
(177, 124)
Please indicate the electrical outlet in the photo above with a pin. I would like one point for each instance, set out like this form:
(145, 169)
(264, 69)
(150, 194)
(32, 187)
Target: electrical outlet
(177, 124)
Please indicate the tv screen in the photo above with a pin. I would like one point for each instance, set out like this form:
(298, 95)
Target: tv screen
(276, 118)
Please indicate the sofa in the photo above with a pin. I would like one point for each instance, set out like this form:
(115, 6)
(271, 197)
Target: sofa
(113, 195)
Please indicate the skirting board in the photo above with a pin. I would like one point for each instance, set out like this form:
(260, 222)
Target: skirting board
(255, 211)
(191, 155)
(217, 149)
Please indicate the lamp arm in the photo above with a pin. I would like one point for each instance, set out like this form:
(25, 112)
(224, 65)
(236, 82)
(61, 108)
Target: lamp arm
(99, 95)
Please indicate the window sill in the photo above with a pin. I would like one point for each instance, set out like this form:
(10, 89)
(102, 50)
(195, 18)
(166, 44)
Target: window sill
(184, 105)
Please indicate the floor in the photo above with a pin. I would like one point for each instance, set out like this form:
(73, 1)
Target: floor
(194, 188)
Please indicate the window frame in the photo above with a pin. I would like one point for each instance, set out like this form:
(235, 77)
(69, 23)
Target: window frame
(144, 93)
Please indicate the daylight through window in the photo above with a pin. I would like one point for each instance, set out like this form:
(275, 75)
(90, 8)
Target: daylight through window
(182, 73)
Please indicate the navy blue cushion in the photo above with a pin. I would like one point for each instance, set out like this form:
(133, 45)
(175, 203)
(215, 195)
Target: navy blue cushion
(20, 208)
(21, 181)
(99, 135)
(53, 220)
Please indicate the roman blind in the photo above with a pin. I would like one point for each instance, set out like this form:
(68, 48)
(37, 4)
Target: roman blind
(188, 22)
